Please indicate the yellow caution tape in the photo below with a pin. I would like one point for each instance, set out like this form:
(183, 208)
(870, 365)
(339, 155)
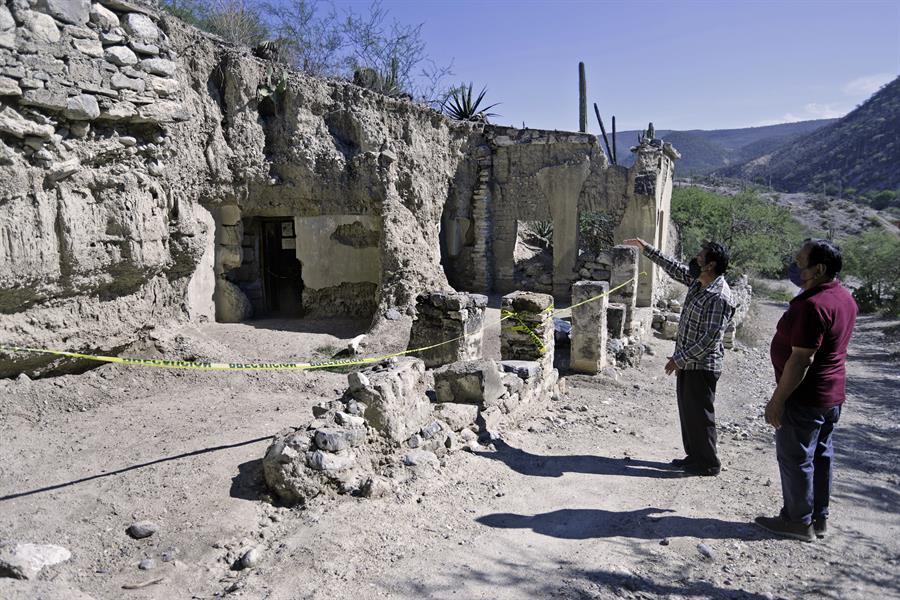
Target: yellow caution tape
(160, 363)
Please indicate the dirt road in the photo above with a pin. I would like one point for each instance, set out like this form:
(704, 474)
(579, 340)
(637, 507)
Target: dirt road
(580, 503)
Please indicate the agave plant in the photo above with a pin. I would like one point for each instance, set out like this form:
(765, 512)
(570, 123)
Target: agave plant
(461, 106)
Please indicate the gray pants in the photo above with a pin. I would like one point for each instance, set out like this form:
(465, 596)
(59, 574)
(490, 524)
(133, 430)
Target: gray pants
(696, 391)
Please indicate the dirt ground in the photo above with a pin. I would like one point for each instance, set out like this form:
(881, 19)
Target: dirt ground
(579, 503)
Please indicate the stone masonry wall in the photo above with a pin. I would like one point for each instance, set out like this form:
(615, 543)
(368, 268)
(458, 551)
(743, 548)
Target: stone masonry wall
(121, 129)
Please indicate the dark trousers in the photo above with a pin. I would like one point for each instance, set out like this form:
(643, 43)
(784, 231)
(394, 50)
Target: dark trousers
(696, 391)
(804, 448)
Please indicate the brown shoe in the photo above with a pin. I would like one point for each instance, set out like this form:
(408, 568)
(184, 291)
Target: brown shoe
(779, 526)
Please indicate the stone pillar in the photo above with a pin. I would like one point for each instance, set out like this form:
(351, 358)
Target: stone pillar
(624, 268)
(589, 326)
(445, 316)
(528, 332)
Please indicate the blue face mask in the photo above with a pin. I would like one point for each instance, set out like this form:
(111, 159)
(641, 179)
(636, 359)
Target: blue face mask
(794, 274)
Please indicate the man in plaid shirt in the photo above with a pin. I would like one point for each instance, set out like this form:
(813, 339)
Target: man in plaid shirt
(699, 352)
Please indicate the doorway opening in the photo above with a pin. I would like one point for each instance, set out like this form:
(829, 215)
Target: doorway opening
(280, 269)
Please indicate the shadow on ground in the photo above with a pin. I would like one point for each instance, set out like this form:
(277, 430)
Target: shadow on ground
(338, 327)
(644, 523)
(539, 465)
(248, 483)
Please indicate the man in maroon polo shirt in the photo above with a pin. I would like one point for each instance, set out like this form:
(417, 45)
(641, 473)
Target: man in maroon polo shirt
(808, 353)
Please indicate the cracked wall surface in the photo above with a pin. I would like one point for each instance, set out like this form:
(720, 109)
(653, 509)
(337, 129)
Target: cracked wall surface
(137, 155)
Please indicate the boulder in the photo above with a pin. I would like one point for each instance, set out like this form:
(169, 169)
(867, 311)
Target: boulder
(120, 56)
(394, 395)
(43, 28)
(159, 66)
(82, 108)
(286, 471)
(141, 27)
(232, 304)
(103, 18)
(76, 12)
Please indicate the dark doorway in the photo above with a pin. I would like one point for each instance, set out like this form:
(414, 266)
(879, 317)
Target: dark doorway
(281, 271)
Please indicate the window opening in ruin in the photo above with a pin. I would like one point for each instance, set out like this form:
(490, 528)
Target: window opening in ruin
(533, 256)
(280, 270)
(457, 241)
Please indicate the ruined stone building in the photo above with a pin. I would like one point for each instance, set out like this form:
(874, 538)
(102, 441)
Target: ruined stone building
(150, 174)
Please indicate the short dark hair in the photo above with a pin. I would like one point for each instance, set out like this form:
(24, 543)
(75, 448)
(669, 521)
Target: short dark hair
(825, 252)
(718, 253)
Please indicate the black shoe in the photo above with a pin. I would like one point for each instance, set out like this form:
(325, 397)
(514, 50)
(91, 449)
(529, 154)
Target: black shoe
(820, 526)
(682, 462)
(779, 526)
(695, 469)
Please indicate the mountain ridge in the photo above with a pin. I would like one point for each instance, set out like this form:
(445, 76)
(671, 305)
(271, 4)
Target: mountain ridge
(859, 151)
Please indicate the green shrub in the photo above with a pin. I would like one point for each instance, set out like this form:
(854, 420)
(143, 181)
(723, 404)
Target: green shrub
(873, 257)
(596, 231)
(760, 235)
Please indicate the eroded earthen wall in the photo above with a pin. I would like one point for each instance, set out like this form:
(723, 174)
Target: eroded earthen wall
(126, 137)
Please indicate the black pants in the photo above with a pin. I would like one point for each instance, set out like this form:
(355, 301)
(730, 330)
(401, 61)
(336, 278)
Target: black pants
(696, 391)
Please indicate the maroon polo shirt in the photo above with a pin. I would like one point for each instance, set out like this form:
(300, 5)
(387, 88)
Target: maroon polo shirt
(823, 318)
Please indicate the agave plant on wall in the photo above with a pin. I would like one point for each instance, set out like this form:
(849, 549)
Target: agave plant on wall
(461, 105)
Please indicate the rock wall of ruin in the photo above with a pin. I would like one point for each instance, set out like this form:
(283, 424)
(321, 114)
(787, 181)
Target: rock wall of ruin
(123, 135)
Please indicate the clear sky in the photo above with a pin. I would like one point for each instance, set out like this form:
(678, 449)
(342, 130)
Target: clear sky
(682, 64)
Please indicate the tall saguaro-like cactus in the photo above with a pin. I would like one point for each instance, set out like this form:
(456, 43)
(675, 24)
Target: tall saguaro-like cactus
(582, 99)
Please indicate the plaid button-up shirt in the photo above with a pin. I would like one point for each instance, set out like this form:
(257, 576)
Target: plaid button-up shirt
(704, 317)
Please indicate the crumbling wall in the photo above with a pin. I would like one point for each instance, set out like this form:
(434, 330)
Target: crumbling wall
(122, 134)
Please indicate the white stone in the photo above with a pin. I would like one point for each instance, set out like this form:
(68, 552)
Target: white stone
(329, 461)
(103, 17)
(141, 27)
(163, 111)
(110, 37)
(142, 48)
(15, 124)
(163, 86)
(159, 66)
(119, 111)
(121, 82)
(75, 12)
(9, 87)
(91, 48)
(121, 56)
(232, 304)
(25, 561)
(43, 28)
(7, 22)
(82, 108)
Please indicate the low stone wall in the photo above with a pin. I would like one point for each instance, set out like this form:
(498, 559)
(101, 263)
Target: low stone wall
(396, 415)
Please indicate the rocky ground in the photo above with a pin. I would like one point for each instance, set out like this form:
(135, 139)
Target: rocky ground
(578, 503)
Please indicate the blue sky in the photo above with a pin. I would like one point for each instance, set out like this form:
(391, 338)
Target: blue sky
(681, 64)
